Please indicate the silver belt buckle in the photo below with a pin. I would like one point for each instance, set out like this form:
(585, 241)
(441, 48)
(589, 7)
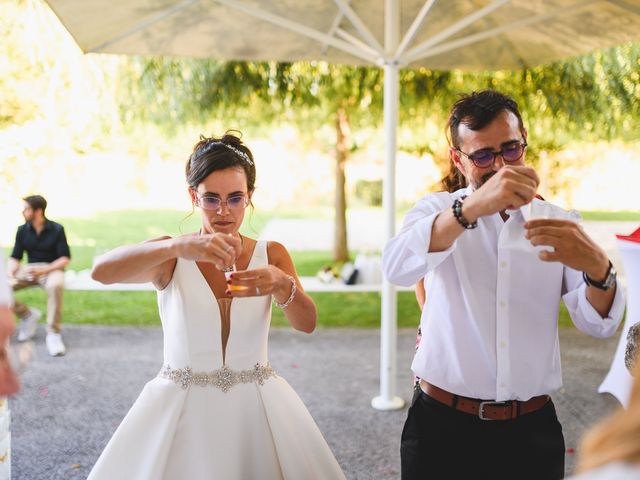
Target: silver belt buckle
(481, 409)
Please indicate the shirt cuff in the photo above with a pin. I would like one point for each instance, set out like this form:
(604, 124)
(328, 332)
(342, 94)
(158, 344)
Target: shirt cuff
(594, 324)
(420, 240)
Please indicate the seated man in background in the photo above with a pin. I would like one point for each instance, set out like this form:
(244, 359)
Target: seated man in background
(48, 254)
(8, 380)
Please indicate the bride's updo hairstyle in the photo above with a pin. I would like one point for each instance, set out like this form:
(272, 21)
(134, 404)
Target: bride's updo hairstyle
(211, 154)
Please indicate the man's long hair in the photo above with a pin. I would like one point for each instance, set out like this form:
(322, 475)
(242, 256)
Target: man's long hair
(453, 180)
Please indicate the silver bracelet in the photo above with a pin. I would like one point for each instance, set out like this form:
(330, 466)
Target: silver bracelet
(294, 289)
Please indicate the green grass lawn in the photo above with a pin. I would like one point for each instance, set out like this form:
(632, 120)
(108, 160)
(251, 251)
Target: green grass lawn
(621, 216)
(89, 237)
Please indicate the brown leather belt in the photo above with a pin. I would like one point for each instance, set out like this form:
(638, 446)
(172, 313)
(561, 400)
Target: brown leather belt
(485, 410)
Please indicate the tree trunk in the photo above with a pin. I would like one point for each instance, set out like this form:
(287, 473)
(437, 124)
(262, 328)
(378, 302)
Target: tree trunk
(340, 249)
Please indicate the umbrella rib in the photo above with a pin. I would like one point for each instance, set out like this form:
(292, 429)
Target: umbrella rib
(299, 28)
(445, 47)
(336, 30)
(357, 22)
(332, 30)
(453, 29)
(413, 29)
(144, 25)
(626, 6)
(355, 41)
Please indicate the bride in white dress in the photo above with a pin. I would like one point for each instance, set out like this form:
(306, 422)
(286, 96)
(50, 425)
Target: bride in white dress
(217, 409)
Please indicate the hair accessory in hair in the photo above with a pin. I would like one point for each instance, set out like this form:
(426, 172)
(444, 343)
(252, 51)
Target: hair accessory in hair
(235, 150)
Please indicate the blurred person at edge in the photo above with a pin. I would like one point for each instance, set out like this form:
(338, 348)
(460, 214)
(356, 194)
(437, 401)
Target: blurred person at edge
(611, 449)
(8, 380)
(490, 348)
(48, 254)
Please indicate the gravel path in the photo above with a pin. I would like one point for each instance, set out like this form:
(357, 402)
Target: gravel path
(70, 406)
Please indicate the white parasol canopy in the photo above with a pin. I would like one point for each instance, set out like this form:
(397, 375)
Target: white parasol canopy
(391, 34)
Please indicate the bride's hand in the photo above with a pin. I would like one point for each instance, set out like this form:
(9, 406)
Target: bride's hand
(269, 280)
(217, 248)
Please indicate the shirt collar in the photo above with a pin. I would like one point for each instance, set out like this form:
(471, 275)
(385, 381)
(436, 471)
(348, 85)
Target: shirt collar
(46, 226)
(469, 190)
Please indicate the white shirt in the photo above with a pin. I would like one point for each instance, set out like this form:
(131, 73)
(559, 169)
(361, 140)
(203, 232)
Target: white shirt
(489, 323)
(613, 471)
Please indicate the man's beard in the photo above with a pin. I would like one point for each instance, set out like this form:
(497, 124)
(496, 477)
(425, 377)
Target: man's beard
(483, 179)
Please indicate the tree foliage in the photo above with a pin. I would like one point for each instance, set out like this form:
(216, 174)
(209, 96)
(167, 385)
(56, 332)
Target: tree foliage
(591, 97)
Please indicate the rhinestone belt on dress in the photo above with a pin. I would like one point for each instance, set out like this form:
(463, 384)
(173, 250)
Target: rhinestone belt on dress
(223, 378)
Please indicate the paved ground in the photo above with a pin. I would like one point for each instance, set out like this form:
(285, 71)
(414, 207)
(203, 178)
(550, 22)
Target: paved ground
(70, 406)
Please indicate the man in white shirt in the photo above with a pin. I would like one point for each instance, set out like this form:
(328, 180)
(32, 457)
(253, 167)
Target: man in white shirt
(496, 261)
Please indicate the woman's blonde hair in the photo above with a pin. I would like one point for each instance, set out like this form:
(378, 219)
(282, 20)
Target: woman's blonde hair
(616, 439)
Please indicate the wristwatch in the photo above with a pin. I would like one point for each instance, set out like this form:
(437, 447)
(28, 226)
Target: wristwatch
(608, 282)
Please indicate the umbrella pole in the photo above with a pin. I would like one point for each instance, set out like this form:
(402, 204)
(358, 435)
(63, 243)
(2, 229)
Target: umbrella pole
(387, 400)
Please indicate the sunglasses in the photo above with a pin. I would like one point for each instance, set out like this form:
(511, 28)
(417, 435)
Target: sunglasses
(484, 158)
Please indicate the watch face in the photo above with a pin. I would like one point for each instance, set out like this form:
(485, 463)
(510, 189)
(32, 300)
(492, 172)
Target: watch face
(611, 277)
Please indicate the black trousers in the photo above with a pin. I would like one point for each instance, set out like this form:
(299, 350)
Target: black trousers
(439, 442)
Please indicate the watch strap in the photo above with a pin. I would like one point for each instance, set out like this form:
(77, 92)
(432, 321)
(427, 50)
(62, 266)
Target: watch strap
(607, 283)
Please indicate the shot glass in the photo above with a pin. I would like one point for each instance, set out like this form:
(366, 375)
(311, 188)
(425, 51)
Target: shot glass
(227, 275)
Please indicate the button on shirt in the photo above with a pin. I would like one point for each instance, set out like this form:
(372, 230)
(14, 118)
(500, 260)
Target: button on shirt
(490, 321)
(47, 246)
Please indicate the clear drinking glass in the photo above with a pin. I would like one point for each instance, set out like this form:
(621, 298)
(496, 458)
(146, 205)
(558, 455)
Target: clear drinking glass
(227, 274)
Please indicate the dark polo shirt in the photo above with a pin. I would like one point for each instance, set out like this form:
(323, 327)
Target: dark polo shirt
(47, 247)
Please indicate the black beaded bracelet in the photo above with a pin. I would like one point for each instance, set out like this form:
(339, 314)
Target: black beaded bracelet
(457, 212)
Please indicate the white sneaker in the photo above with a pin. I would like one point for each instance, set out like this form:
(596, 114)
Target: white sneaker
(55, 345)
(28, 325)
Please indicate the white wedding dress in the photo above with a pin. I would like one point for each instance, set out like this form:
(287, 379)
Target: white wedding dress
(214, 412)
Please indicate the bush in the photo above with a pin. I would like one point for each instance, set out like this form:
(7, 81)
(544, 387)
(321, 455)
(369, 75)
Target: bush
(370, 192)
